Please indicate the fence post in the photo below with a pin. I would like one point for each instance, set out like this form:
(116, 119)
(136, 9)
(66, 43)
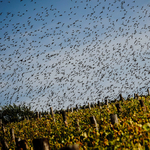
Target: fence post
(106, 102)
(118, 106)
(93, 105)
(142, 104)
(99, 104)
(116, 100)
(45, 116)
(64, 118)
(17, 140)
(37, 115)
(134, 96)
(41, 144)
(12, 135)
(71, 147)
(121, 98)
(52, 113)
(48, 113)
(137, 96)
(89, 106)
(1, 122)
(77, 124)
(68, 109)
(71, 110)
(27, 117)
(148, 92)
(114, 118)
(4, 143)
(84, 107)
(3, 129)
(21, 144)
(76, 108)
(93, 121)
(128, 98)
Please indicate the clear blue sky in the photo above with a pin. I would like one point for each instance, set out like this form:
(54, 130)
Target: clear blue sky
(64, 52)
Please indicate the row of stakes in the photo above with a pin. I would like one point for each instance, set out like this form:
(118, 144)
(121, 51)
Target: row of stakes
(43, 144)
(39, 114)
(136, 96)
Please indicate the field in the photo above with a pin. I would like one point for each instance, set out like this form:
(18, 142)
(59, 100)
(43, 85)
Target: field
(131, 132)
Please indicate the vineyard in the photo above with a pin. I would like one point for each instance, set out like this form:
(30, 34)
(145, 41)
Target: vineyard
(121, 124)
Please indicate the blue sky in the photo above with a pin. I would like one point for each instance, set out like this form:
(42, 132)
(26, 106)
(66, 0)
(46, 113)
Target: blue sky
(61, 53)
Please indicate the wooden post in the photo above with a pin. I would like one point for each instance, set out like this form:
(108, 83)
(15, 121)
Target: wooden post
(64, 118)
(89, 106)
(71, 147)
(27, 118)
(45, 116)
(3, 129)
(41, 144)
(77, 108)
(93, 121)
(1, 123)
(114, 118)
(12, 135)
(52, 113)
(37, 115)
(68, 109)
(4, 145)
(99, 104)
(84, 107)
(17, 140)
(128, 97)
(148, 92)
(142, 104)
(134, 95)
(121, 98)
(118, 106)
(137, 95)
(106, 102)
(21, 145)
(116, 100)
(77, 124)
(71, 110)
(93, 105)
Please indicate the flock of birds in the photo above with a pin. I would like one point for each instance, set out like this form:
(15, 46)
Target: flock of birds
(75, 57)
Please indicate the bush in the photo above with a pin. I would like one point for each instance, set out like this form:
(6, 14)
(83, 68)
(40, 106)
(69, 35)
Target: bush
(14, 113)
